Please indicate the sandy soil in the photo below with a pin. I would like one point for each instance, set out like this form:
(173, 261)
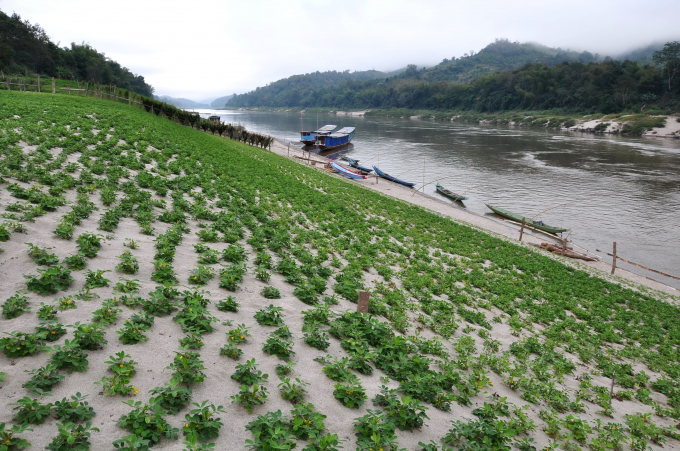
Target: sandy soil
(157, 353)
(670, 130)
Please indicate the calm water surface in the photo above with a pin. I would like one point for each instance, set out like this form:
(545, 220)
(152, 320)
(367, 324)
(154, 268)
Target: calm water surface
(617, 189)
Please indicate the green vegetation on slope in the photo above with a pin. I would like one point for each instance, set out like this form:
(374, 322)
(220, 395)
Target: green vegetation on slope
(26, 48)
(442, 294)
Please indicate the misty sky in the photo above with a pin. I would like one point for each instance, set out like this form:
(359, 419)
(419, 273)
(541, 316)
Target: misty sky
(201, 49)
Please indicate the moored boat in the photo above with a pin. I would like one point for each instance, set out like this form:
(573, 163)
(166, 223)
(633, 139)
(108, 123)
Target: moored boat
(355, 164)
(335, 140)
(450, 194)
(345, 172)
(309, 138)
(392, 178)
(519, 218)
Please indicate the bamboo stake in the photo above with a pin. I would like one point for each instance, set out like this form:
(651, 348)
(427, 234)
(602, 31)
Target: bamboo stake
(54, 86)
(614, 259)
(521, 230)
(38, 82)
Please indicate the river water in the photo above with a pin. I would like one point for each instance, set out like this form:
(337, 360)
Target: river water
(615, 189)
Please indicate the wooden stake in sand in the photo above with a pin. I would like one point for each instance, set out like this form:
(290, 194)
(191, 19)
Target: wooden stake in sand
(362, 305)
(54, 87)
(614, 259)
(521, 230)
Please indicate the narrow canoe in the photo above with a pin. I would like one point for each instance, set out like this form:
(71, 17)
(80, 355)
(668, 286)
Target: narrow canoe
(518, 218)
(346, 172)
(450, 194)
(391, 178)
(355, 164)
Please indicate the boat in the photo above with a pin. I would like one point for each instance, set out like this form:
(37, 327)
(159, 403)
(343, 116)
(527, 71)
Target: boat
(450, 194)
(355, 164)
(335, 140)
(518, 218)
(391, 178)
(309, 138)
(345, 172)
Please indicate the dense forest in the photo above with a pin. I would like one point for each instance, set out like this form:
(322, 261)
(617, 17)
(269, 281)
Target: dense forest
(26, 48)
(578, 84)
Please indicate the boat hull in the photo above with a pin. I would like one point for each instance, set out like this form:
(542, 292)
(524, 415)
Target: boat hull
(392, 178)
(451, 195)
(519, 218)
(346, 172)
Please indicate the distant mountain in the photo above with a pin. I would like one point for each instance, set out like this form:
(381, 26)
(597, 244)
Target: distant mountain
(498, 56)
(220, 101)
(642, 55)
(293, 91)
(309, 89)
(181, 103)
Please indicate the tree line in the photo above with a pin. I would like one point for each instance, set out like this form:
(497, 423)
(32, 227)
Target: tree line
(609, 86)
(26, 48)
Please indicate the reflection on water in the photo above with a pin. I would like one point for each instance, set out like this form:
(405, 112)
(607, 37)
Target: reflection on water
(620, 189)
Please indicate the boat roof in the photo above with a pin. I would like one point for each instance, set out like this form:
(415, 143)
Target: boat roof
(327, 128)
(345, 130)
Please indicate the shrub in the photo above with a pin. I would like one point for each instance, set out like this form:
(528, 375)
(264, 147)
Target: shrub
(146, 422)
(227, 305)
(20, 344)
(172, 397)
(76, 409)
(270, 316)
(270, 293)
(202, 422)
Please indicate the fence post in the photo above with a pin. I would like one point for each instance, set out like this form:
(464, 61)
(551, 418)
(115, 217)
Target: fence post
(614, 259)
(362, 305)
(38, 82)
(521, 230)
(54, 87)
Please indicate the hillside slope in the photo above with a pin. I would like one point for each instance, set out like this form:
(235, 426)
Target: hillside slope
(184, 250)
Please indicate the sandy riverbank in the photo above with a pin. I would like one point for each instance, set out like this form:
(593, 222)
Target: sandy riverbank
(447, 209)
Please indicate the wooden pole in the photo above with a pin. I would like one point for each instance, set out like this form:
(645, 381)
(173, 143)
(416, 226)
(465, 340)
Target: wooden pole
(38, 82)
(362, 305)
(288, 150)
(54, 87)
(611, 391)
(614, 259)
(521, 230)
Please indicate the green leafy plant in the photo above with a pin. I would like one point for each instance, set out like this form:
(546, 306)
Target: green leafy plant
(146, 421)
(164, 273)
(172, 397)
(66, 303)
(248, 373)
(202, 421)
(279, 347)
(227, 305)
(374, 431)
(75, 409)
(72, 437)
(187, 367)
(44, 378)
(405, 412)
(270, 293)
(128, 263)
(89, 244)
(132, 333)
(50, 280)
(76, 262)
(293, 392)
(250, 396)
(270, 316)
(40, 256)
(89, 336)
(8, 437)
(15, 305)
(70, 356)
(351, 394)
(201, 275)
(47, 312)
(96, 279)
(20, 344)
(30, 410)
(50, 330)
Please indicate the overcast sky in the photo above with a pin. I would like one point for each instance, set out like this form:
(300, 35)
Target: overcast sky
(199, 49)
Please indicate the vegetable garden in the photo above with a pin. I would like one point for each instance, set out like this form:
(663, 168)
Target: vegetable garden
(164, 287)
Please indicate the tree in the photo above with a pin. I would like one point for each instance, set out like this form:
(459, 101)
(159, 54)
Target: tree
(669, 60)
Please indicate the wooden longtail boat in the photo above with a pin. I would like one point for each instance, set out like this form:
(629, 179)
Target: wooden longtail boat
(518, 218)
(391, 178)
(355, 164)
(450, 194)
(309, 138)
(335, 140)
(345, 172)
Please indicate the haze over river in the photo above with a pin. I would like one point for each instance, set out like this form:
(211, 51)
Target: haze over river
(619, 189)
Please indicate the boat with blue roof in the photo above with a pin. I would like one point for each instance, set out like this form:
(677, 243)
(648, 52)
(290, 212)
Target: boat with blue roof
(309, 138)
(336, 139)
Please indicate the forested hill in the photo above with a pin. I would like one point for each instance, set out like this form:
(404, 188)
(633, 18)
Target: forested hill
(26, 48)
(293, 91)
(300, 90)
(498, 56)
